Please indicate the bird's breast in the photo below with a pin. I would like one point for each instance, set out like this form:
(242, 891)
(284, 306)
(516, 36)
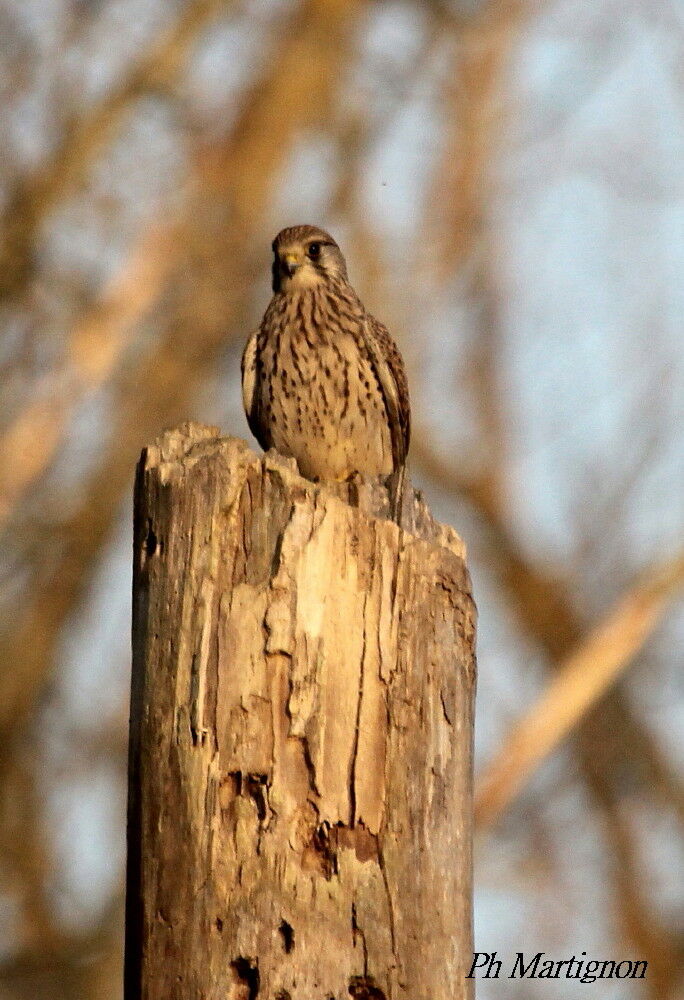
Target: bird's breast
(319, 394)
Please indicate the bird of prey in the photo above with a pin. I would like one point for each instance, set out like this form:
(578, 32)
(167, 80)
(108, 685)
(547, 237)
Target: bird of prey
(322, 379)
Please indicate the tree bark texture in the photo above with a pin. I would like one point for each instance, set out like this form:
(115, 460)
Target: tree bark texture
(300, 786)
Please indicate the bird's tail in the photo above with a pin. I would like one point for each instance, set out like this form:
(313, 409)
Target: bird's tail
(397, 489)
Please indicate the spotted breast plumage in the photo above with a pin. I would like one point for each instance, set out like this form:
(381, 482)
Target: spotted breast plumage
(322, 379)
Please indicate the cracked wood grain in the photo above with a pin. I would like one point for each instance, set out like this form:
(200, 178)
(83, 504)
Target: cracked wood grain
(300, 787)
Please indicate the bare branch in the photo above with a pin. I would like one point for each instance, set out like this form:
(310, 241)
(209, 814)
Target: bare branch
(476, 101)
(219, 251)
(37, 194)
(609, 740)
(582, 680)
(97, 345)
(636, 918)
(544, 609)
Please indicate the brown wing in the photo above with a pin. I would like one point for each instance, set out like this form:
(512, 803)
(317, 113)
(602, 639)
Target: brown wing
(389, 367)
(250, 391)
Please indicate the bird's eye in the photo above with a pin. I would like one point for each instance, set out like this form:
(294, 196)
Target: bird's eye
(314, 250)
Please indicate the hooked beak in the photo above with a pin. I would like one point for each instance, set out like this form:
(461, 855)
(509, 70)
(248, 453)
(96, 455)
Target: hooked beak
(290, 263)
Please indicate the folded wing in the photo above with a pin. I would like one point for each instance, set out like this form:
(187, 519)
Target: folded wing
(391, 374)
(250, 395)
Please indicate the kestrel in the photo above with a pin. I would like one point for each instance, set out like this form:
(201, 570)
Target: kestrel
(322, 379)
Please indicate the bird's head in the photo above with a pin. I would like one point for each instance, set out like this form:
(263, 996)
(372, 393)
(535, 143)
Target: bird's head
(305, 256)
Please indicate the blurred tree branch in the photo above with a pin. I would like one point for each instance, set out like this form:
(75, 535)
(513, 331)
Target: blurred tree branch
(147, 349)
(36, 195)
(463, 192)
(544, 608)
(463, 197)
(635, 915)
(202, 289)
(220, 249)
(97, 345)
(608, 741)
(462, 189)
(78, 966)
(580, 682)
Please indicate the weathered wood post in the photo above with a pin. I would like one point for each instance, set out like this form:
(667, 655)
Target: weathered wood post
(301, 737)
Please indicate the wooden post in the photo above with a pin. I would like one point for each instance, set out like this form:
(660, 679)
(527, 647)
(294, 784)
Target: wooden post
(300, 792)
